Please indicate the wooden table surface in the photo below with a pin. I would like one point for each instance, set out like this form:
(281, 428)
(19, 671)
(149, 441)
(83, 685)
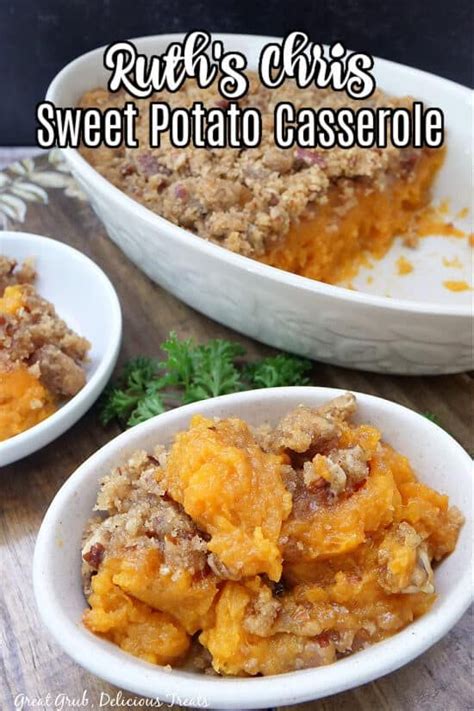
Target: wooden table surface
(35, 666)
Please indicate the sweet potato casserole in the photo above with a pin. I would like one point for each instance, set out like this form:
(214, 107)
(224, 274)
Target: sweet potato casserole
(243, 551)
(312, 212)
(41, 359)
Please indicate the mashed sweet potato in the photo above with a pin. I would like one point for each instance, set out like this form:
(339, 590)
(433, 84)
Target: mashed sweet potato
(133, 625)
(41, 359)
(270, 550)
(344, 232)
(24, 402)
(234, 491)
(315, 212)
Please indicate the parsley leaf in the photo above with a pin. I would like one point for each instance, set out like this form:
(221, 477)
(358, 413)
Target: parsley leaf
(122, 400)
(201, 371)
(138, 372)
(215, 372)
(192, 372)
(116, 403)
(277, 371)
(147, 407)
(431, 416)
(180, 364)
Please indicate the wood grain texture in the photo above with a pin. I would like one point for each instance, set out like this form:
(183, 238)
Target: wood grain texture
(30, 662)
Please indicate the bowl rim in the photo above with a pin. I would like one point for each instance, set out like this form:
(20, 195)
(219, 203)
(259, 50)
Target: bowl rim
(38, 436)
(186, 238)
(101, 658)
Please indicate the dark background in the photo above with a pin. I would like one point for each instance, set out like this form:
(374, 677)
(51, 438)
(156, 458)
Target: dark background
(37, 37)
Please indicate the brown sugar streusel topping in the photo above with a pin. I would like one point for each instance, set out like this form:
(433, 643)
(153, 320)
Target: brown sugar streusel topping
(244, 199)
(36, 337)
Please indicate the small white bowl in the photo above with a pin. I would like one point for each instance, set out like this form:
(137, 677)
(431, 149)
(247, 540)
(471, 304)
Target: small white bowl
(438, 460)
(422, 329)
(85, 298)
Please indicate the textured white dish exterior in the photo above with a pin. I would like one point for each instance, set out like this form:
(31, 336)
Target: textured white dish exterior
(438, 460)
(427, 331)
(84, 297)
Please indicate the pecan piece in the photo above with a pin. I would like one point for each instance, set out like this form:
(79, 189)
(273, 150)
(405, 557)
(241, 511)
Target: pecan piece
(95, 555)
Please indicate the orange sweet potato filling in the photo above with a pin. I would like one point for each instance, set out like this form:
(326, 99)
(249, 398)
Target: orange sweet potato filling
(187, 599)
(12, 299)
(340, 529)
(134, 626)
(24, 401)
(331, 245)
(235, 650)
(234, 491)
(353, 569)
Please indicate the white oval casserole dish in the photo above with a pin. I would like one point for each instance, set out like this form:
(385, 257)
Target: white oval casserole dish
(426, 329)
(437, 459)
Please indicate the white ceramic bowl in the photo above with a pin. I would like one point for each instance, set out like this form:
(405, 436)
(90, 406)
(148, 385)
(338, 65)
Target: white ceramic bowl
(84, 297)
(423, 328)
(437, 459)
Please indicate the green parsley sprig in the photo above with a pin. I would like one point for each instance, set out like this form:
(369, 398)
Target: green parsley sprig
(279, 370)
(134, 397)
(433, 417)
(192, 372)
